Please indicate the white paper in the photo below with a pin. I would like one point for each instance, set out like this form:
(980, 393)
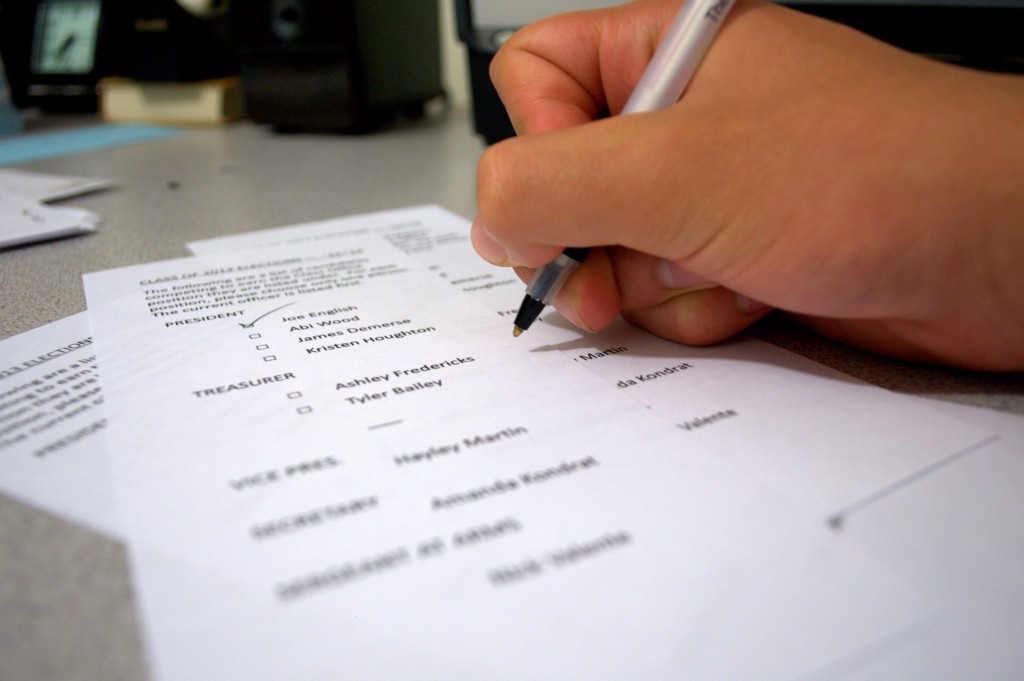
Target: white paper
(331, 466)
(24, 220)
(959, 534)
(823, 439)
(52, 452)
(45, 187)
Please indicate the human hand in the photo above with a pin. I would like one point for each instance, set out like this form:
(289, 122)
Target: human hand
(876, 196)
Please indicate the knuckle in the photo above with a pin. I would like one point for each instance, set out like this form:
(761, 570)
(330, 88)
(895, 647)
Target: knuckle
(495, 179)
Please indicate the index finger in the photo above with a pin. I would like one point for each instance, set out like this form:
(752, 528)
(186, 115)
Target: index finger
(574, 68)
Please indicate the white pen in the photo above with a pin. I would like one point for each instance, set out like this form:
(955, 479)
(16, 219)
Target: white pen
(661, 85)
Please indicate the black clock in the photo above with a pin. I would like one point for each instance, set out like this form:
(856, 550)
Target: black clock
(51, 52)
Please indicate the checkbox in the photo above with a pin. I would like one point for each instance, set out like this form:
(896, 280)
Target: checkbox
(254, 336)
(293, 396)
(304, 410)
(262, 347)
(270, 358)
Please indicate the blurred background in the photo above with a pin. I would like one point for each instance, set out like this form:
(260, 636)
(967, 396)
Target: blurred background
(353, 66)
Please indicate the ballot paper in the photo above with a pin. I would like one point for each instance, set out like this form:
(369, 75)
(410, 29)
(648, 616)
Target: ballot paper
(824, 440)
(958, 532)
(329, 464)
(52, 453)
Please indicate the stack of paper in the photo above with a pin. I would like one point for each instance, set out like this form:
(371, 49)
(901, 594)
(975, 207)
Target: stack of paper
(331, 459)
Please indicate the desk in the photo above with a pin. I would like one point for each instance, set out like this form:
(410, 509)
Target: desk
(65, 593)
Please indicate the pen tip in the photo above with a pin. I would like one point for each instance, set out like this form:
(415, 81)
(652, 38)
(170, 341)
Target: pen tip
(516, 331)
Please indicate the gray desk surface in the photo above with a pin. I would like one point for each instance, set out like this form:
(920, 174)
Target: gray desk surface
(65, 593)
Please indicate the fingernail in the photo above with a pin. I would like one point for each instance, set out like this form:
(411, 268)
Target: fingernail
(571, 311)
(485, 245)
(675, 277)
(749, 306)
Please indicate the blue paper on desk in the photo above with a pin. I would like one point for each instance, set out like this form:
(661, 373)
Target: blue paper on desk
(38, 146)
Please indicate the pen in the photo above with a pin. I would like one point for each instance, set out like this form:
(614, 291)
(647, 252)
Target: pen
(660, 86)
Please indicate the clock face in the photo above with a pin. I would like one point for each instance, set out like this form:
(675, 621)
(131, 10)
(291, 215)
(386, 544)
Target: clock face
(65, 36)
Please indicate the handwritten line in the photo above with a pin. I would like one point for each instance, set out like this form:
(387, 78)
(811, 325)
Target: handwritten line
(838, 519)
(253, 322)
(385, 425)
